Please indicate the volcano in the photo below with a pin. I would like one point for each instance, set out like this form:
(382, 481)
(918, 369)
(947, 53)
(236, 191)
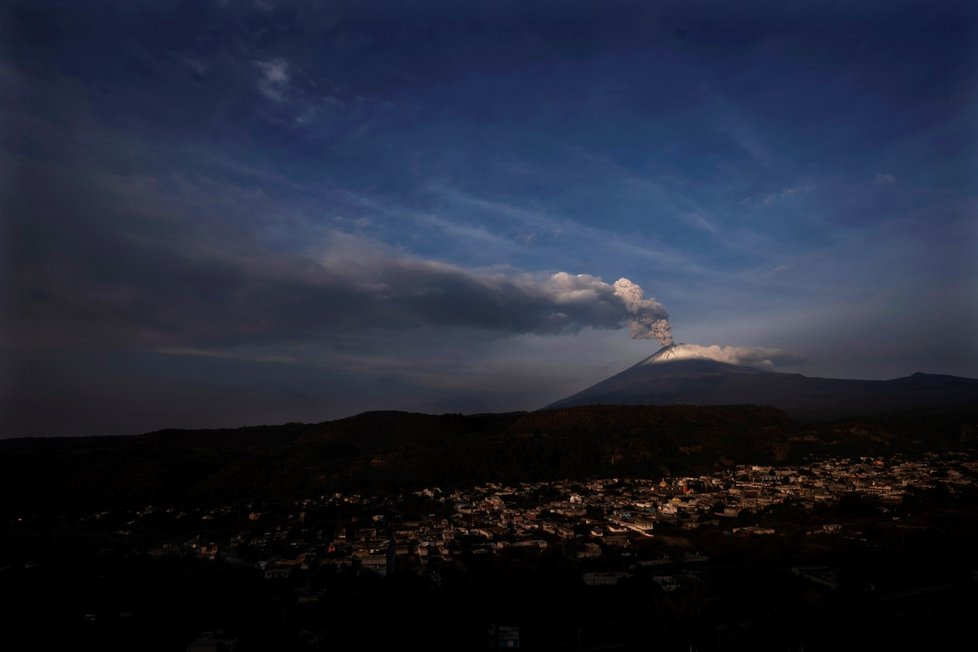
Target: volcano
(684, 374)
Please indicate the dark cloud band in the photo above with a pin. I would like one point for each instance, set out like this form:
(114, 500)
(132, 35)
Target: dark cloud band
(167, 298)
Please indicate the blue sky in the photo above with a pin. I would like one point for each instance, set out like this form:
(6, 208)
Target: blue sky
(225, 213)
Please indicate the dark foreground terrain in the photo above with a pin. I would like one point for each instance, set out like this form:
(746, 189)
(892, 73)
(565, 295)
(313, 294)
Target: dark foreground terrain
(389, 451)
(593, 528)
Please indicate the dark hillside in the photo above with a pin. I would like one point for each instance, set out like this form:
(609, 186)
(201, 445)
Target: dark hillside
(381, 451)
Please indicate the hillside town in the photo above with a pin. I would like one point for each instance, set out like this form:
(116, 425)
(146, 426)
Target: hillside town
(542, 565)
(611, 519)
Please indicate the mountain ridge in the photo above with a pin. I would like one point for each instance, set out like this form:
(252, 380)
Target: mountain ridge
(674, 375)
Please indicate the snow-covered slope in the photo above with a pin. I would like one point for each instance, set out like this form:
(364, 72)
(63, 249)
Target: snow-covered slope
(681, 351)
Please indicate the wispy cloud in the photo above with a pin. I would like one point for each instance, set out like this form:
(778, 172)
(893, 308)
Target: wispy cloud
(569, 233)
(699, 221)
(195, 64)
(274, 80)
(784, 193)
(228, 355)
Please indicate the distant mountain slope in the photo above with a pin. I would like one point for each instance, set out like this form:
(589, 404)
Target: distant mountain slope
(670, 378)
(392, 430)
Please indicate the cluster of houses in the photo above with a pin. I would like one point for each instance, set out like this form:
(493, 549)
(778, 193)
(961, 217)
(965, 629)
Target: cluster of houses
(611, 518)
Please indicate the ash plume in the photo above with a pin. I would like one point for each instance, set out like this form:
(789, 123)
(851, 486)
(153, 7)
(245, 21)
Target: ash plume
(586, 299)
(355, 285)
(650, 318)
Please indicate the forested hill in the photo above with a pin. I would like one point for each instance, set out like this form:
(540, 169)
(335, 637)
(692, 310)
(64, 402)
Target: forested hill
(385, 451)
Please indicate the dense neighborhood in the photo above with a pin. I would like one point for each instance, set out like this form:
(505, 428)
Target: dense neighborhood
(610, 518)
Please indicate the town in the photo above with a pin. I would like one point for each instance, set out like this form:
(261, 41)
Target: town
(588, 520)
(865, 533)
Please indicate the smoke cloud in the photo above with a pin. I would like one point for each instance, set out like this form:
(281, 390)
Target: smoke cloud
(651, 319)
(217, 297)
(608, 306)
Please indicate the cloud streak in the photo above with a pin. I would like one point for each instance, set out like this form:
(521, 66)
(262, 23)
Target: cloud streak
(397, 291)
(178, 296)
